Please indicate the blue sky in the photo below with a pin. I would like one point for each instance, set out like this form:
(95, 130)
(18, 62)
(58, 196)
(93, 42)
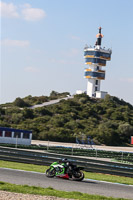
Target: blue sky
(42, 46)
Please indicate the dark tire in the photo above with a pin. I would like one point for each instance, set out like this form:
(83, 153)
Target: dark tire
(50, 173)
(80, 176)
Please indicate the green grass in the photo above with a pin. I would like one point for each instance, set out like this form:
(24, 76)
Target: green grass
(23, 166)
(109, 178)
(89, 175)
(25, 189)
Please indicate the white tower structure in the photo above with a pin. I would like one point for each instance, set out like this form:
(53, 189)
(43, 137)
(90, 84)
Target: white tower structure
(95, 59)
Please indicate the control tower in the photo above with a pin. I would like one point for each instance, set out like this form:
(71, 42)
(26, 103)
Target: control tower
(95, 59)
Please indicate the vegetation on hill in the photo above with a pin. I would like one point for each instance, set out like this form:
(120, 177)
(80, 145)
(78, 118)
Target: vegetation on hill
(108, 121)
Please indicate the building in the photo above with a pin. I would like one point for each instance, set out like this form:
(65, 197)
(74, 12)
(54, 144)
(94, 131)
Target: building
(95, 59)
(79, 92)
(15, 136)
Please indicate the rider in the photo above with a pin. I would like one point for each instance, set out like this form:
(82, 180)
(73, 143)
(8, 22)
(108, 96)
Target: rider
(67, 164)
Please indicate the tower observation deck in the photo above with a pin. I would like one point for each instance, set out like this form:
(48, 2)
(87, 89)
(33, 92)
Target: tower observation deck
(95, 59)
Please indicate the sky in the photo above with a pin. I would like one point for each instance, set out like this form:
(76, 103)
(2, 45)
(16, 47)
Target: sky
(42, 46)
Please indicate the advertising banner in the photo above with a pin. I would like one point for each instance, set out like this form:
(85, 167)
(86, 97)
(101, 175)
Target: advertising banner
(131, 139)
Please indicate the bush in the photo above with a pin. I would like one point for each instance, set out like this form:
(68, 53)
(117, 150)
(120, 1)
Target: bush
(20, 103)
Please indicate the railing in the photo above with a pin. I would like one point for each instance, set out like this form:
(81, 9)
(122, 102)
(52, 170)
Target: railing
(91, 152)
(90, 165)
(81, 150)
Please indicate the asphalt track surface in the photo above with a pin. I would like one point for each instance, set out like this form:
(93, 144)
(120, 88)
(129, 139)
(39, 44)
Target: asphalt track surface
(86, 186)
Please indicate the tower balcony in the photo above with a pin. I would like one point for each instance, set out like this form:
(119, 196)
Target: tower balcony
(98, 61)
(90, 70)
(95, 74)
(97, 54)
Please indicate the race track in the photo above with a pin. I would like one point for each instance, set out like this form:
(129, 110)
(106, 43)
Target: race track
(86, 186)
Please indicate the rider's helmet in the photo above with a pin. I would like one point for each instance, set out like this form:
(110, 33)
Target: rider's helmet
(64, 160)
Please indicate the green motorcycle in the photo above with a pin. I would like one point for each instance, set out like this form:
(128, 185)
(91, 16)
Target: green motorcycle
(71, 172)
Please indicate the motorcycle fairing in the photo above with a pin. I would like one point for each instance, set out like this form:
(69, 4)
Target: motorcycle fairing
(65, 176)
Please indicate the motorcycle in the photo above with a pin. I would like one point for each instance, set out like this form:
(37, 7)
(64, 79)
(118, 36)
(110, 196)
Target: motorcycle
(59, 170)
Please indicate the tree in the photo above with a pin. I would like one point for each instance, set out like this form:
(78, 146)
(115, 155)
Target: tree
(28, 113)
(17, 118)
(117, 115)
(107, 134)
(20, 103)
(2, 111)
(125, 130)
(54, 94)
(42, 111)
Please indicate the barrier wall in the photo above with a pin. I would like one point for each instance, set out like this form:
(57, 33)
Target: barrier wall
(15, 136)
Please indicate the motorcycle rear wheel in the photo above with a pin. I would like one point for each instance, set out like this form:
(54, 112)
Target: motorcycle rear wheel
(78, 177)
(50, 173)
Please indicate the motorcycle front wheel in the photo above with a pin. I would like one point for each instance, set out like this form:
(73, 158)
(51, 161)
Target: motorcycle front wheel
(50, 173)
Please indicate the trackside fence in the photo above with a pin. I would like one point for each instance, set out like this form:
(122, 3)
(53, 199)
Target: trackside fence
(90, 165)
(82, 150)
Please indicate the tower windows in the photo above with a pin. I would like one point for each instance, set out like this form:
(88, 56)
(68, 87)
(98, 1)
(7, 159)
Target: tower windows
(95, 88)
(96, 83)
(101, 62)
(98, 54)
(95, 74)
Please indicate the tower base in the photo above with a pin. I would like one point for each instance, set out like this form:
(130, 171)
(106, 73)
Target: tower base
(101, 94)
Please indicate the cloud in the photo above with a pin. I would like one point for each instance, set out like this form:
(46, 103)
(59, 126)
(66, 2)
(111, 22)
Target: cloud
(32, 14)
(26, 12)
(8, 10)
(17, 43)
(31, 69)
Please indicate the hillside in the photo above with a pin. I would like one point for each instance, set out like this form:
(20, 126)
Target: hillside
(108, 121)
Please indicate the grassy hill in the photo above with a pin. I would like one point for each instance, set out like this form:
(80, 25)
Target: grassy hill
(108, 121)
